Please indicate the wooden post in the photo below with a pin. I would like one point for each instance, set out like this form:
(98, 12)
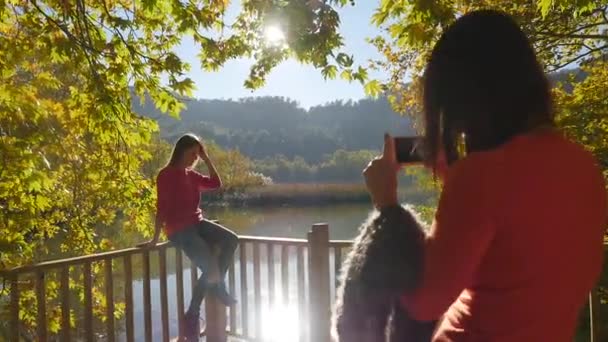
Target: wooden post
(41, 299)
(147, 297)
(14, 313)
(129, 326)
(164, 302)
(215, 314)
(88, 302)
(594, 317)
(320, 310)
(65, 304)
(109, 284)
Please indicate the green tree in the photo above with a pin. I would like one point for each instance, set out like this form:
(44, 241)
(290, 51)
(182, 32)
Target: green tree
(72, 149)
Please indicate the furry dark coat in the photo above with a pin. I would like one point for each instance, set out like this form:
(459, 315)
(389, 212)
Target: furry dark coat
(385, 262)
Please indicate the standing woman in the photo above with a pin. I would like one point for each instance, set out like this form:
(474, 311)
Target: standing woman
(516, 244)
(208, 245)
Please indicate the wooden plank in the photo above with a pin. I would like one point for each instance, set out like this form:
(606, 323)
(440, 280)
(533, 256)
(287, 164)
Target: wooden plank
(337, 264)
(319, 297)
(301, 293)
(215, 314)
(76, 261)
(271, 279)
(88, 302)
(257, 288)
(179, 288)
(594, 317)
(64, 288)
(193, 275)
(109, 286)
(129, 327)
(147, 297)
(285, 274)
(232, 286)
(14, 313)
(244, 295)
(164, 303)
(275, 240)
(41, 301)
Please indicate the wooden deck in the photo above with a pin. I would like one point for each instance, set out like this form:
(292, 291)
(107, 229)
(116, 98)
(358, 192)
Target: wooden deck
(101, 296)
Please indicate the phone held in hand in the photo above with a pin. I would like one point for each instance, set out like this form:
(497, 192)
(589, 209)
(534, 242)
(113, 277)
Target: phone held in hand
(409, 150)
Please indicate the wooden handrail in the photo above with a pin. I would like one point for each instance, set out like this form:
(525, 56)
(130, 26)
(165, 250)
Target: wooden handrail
(313, 297)
(51, 264)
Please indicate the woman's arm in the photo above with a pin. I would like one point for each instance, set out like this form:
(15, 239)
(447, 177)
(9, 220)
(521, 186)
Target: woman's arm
(213, 181)
(461, 233)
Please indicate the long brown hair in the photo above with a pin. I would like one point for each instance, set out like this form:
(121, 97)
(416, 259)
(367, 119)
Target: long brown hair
(182, 144)
(483, 81)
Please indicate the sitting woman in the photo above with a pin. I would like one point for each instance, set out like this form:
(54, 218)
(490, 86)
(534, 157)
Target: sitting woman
(209, 246)
(517, 240)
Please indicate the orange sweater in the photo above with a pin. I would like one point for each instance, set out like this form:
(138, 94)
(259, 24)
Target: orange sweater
(516, 245)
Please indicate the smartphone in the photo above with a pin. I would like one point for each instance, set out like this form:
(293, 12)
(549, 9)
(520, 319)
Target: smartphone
(409, 149)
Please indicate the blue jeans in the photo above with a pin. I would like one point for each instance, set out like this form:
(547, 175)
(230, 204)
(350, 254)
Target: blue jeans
(198, 242)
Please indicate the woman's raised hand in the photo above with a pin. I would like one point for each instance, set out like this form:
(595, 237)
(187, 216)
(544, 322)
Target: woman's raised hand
(381, 175)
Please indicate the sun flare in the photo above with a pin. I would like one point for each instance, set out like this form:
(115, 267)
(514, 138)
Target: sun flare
(281, 324)
(274, 35)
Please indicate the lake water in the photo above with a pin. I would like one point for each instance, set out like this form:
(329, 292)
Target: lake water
(293, 222)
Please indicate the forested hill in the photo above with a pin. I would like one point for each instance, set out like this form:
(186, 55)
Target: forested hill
(267, 126)
(262, 127)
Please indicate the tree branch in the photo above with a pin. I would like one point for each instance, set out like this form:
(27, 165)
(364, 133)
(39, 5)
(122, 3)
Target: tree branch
(576, 36)
(579, 57)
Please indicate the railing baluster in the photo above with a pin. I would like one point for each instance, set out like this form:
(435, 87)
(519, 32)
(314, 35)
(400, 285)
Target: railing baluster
(337, 264)
(41, 300)
(109, 299)
(285, 273)
(179, 288)
(88, 302)
(147, 297)
(243, 267)
(129, 299)
(65, 304)
(193, 276)
(164, 305)
(271, 291)
(301, 293)
(193, 281)
(257, 288)
(594, 316)
(14, 318)
(232, 286)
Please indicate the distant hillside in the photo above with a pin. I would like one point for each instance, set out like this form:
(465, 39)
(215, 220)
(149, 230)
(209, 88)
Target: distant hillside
(262, 127)
(269, 126)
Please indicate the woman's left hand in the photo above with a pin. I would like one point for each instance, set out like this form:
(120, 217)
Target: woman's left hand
(381, 176)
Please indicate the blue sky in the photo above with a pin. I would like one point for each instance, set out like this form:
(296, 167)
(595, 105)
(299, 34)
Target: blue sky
(291, 79)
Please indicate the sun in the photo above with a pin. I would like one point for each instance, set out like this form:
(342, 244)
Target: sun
(274, 35)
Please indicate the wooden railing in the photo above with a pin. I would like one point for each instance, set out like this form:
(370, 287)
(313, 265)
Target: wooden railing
(267, 273)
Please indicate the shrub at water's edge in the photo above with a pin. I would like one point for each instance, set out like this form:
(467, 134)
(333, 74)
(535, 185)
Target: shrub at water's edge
(307, 194)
